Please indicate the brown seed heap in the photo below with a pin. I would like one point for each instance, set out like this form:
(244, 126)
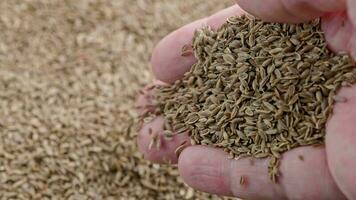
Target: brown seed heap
(70, 71)
(258, 89)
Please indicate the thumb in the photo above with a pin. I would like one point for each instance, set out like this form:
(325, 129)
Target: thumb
(293, 11)
(340, 142)
(209, 169)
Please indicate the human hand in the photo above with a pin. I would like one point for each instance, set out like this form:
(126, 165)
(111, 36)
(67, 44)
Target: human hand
(325, 173)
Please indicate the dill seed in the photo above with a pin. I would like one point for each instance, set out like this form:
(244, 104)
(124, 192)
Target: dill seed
(187, 50)
(340, 99)
(242, 180)
(180, 148)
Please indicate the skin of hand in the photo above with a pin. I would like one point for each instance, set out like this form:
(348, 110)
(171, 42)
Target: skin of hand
(327, 172)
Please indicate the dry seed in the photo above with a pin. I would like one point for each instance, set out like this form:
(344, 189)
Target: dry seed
(187, 50)
(251, 40)
(271, 131)
(267, 63)
(300, 157)
(341, 99)
(319, 96)
(269, 106)
(272, 39)
(180, 148)
(242, 180)
(229, 59)
(275, 50)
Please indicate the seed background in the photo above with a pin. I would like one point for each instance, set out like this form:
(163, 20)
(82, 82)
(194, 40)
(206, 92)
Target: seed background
(69, 74)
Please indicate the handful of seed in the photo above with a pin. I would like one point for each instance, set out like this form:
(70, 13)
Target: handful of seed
(258, 89)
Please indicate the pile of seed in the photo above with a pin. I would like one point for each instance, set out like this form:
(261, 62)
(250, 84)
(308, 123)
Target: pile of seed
(70, 71)
(258, 89)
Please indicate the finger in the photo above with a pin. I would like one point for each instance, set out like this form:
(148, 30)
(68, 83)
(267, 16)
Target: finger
(351, 7)
(341, 140)
(293, 11)
(208, 169)
(151, 141)
(155, 147)
(167, 61)
(144, 101)
(339, 33)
